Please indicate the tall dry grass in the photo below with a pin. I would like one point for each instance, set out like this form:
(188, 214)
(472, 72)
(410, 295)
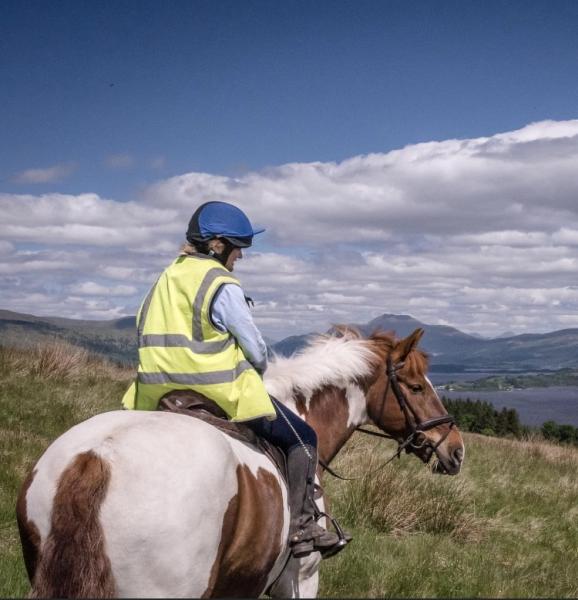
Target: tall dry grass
(417, 502)
(506, 526)
(57, 359)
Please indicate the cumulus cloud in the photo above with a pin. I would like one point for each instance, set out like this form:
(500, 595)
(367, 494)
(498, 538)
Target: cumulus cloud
(91, 288)
(478, 233)
(474, 186)
(44, 175)
(84, 219)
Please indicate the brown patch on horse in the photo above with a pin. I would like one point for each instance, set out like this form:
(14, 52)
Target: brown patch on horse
(329, 412)
(378, 406)
(300, 403)
(250, 537)
(74, 563)
(29, 534)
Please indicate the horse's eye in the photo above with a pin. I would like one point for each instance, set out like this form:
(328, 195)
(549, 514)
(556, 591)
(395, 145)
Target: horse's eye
(416, 388)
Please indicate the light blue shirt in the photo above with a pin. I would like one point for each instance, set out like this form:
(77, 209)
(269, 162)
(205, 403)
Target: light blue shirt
(230, 312)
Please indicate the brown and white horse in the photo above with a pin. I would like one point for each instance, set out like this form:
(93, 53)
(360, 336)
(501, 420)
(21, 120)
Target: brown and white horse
(157, 504)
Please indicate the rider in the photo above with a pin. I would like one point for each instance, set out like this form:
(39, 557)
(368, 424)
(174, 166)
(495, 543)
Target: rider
(195, 331)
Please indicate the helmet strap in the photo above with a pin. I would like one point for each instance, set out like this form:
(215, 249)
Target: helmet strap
(223, 257)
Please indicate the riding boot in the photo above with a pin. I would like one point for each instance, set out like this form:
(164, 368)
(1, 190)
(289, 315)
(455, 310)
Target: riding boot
(305, 534)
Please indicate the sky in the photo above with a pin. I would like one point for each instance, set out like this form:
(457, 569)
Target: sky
(405, 157)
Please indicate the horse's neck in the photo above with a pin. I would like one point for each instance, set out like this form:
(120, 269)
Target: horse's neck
(334, 413)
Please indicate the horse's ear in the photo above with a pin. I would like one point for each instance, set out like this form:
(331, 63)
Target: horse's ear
(405, 346)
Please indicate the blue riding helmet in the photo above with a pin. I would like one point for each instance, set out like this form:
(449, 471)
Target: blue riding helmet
(221, 220)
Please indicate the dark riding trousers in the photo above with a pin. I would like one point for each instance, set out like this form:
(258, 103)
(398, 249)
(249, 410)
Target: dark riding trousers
(284, 431)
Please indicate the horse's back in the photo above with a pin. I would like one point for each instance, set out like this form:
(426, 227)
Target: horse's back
(172, 488)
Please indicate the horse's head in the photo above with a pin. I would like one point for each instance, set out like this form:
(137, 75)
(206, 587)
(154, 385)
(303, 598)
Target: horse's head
(402, 401)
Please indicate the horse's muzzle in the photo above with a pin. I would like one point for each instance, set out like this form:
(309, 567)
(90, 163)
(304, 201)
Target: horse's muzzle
(449, 465)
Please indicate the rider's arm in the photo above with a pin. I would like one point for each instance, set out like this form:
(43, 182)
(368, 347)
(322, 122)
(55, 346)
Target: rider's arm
(230, 312)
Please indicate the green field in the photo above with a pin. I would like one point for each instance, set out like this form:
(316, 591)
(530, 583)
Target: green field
(506, 527)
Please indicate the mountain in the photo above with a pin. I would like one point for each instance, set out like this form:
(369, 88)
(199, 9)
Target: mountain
(439, 339)
(449, 348)
(290, 345)
(453, 350)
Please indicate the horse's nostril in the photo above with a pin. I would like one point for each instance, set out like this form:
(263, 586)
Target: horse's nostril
(458, 455)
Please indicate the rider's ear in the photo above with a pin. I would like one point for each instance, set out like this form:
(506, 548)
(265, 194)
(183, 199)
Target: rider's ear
(405, 346)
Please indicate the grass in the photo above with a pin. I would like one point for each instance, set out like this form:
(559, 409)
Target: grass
(507, 526)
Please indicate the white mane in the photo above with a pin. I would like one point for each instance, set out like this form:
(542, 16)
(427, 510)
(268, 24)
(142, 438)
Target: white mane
(325, 361)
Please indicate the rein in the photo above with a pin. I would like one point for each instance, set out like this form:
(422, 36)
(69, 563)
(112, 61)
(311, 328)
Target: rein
(413, 422)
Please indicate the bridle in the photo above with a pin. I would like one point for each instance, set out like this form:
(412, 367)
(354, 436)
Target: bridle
(414, 425)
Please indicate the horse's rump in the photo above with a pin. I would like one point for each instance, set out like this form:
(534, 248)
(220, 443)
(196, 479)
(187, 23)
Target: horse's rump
(176, 502)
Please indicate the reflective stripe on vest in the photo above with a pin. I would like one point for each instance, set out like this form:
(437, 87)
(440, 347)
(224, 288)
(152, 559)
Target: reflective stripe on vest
(180, 348)
(227, 376)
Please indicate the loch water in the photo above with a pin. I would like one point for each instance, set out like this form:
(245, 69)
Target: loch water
(534, 405)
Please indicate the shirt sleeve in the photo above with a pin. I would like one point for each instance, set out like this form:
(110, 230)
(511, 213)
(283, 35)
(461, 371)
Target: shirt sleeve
(230, 312)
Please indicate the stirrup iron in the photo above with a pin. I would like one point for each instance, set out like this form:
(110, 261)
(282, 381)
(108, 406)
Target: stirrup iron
(343, 541)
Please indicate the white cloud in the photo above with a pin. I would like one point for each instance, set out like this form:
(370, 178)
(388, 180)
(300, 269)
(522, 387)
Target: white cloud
(6, 248)
(477, 233)
(85, 219)
(44, 175)
(91, 288)
(511, 182)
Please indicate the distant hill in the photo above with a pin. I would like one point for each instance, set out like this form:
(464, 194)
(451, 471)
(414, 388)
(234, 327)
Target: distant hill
(453, 350)
(439, 339)
(115, 339)
(291, 344)
(449, 348)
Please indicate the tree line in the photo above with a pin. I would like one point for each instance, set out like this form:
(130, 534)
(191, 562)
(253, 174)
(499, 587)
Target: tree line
(482, 417)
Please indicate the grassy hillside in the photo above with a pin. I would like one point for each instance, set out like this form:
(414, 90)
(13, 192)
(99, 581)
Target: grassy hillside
(115, 340)
(506, 527)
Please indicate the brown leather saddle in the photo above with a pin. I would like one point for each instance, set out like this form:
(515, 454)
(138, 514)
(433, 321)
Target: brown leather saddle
(193, 404)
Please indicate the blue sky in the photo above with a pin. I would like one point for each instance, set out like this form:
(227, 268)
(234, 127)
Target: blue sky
(309, 115)
(226, 87)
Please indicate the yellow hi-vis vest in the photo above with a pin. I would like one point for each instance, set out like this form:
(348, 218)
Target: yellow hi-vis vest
(180, 348)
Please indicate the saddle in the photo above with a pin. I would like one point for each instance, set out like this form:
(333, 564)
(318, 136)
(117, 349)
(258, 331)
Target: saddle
(194, 404)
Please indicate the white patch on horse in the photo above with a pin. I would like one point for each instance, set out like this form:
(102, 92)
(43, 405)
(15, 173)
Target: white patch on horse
(55, 460)
(326, 361)
(435, 435)
(357, 405)
(432, 387)
(166, 544)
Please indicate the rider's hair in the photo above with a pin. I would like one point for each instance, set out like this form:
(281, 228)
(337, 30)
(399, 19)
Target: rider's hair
(188, 249)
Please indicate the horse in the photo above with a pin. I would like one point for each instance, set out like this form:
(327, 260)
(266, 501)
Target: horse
(159, 504)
